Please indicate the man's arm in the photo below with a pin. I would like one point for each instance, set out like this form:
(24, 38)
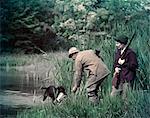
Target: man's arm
(77, 75)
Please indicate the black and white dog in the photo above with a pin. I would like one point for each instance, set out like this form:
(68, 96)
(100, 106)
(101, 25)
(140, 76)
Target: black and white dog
(57, 94)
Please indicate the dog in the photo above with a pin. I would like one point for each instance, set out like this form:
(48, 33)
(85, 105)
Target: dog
(57, 94)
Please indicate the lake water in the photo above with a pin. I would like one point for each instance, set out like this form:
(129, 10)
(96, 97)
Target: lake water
(18, 91)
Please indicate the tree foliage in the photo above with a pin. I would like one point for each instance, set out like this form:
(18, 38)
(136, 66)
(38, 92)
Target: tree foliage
(51, 24)
(27, 20)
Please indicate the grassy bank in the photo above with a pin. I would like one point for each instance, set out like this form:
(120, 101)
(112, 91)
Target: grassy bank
(137, 106)
(77, 106)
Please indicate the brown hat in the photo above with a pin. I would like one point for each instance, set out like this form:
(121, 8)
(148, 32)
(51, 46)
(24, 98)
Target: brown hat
(73, 50)
(122, 39)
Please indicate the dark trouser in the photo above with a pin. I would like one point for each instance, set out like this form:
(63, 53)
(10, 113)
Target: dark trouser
(93, 89)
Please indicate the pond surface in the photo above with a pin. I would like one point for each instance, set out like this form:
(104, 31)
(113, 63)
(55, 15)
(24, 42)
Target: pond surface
(18, 91)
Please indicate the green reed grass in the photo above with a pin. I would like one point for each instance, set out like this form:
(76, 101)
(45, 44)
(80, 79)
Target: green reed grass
(77, 105)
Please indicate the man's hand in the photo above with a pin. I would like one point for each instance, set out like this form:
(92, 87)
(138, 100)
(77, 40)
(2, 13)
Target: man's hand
(121, 61)
(117, 70)
(74, 89)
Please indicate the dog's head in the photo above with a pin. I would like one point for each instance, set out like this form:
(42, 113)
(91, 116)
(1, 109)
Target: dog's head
(55, 93)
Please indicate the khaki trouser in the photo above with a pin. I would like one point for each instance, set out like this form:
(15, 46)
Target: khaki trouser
(122, 90)
(93, 89)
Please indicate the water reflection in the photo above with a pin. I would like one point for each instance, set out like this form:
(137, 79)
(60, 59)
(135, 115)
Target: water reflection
(17, 91)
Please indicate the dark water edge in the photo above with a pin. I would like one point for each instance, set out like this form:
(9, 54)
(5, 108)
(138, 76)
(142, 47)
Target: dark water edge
(11, 112)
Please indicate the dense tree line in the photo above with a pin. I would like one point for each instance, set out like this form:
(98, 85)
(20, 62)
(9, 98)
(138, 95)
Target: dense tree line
(26, 24)
(58, 24)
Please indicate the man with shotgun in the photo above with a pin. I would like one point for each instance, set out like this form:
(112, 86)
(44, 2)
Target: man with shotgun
(125, 65)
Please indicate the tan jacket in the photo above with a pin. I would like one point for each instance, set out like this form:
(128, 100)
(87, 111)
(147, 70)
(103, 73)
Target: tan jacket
(88, 60)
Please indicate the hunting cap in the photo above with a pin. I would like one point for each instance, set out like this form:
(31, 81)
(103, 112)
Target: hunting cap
(122, 39)
(73, 50)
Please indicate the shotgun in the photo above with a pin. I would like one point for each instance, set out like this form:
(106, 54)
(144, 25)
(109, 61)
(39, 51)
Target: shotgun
(116, 76)
(127, 46)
